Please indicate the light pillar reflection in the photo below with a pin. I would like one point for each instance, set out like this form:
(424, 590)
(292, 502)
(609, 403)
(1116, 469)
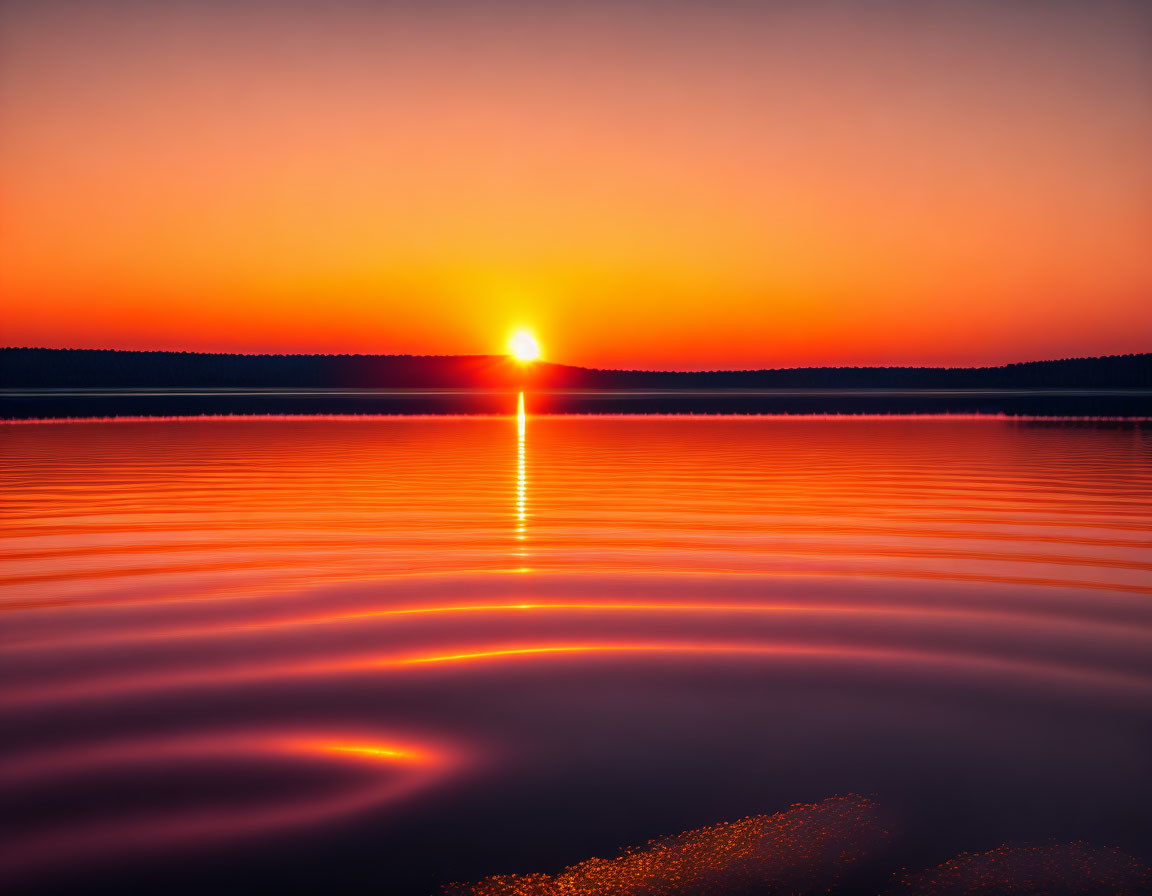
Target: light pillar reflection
(521, 474)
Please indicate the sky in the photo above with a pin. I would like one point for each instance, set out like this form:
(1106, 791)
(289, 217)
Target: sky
(686, 185)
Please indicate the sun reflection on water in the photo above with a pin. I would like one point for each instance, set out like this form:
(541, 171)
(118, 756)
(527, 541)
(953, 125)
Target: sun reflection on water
(521, 473)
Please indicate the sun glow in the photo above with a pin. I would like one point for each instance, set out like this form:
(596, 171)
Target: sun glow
(523, 346)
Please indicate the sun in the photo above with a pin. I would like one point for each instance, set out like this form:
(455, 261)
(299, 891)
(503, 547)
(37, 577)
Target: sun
(523, 346)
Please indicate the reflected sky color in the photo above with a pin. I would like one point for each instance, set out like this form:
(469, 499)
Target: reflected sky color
(306, 639)
(385, 772)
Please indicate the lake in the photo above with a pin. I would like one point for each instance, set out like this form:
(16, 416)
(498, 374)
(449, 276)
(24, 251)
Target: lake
(383, 654)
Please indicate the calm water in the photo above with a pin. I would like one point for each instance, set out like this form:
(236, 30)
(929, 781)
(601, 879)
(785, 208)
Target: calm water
(380, 655)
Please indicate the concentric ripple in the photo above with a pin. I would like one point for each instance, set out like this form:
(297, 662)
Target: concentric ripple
(279, 627)
(382, 772)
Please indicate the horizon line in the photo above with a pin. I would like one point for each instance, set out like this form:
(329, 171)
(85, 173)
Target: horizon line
(543, 362)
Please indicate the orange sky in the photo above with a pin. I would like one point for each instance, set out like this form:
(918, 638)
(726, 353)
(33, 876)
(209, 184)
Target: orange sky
(650, 184)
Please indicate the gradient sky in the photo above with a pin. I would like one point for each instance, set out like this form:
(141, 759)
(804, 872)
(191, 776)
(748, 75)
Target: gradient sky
(686, 184)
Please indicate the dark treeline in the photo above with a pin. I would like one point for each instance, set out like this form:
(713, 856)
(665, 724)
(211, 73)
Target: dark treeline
(41, 368)
(40, 383)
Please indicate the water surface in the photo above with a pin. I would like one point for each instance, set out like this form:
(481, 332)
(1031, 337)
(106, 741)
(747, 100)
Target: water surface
(382, 654)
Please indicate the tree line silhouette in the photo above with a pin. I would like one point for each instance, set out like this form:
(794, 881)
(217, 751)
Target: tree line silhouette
(47, 368)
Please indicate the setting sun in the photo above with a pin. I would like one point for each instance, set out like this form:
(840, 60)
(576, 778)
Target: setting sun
(523, 346)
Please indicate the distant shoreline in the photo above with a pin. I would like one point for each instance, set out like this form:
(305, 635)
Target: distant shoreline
(76, 404)
(82, 383)
(778, 418)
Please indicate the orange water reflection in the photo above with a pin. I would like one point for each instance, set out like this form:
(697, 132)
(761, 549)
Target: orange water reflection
(386, 771)
(370, 605)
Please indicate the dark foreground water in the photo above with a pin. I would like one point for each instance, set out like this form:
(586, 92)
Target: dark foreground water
(381, 655)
